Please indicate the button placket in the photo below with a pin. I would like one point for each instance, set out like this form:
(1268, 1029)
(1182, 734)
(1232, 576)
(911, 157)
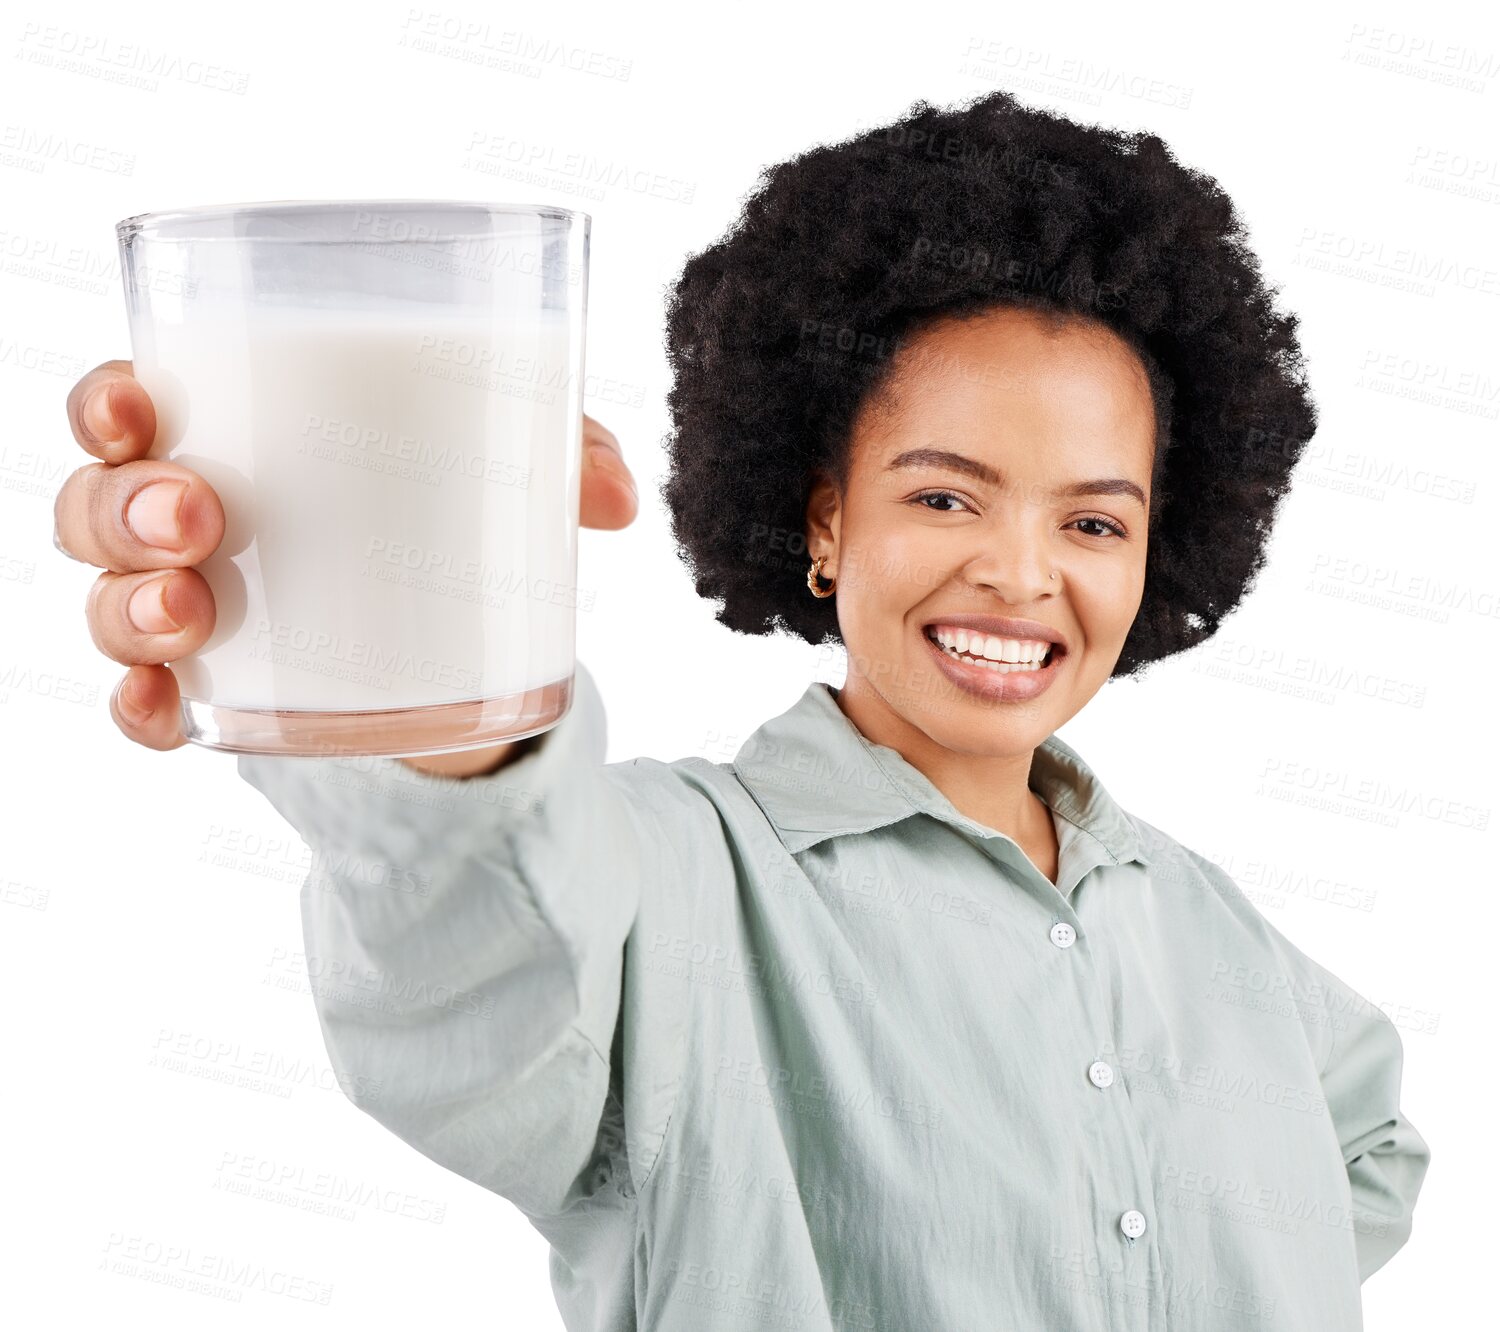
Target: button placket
(1132, 1222)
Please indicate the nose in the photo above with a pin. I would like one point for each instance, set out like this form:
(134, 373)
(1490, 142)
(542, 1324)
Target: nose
(1017, 568)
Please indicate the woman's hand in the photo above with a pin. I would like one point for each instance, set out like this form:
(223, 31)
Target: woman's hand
(146, 522)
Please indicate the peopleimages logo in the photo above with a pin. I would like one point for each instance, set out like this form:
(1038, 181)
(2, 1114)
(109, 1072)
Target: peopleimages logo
(317, 650)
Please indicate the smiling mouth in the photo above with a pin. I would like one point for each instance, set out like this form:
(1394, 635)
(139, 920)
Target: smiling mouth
(1054, 651)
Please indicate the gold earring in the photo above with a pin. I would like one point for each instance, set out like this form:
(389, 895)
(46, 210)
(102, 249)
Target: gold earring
(812, 578)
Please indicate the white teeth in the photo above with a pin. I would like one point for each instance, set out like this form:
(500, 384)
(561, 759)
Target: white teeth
(1004, 651)
(1025, 655)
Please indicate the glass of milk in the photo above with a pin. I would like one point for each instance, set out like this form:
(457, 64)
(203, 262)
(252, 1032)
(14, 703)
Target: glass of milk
(387, 396)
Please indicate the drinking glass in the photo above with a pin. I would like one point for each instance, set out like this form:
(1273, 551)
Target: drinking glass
(387, 396)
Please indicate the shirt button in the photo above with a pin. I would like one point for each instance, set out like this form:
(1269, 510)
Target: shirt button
(1063, 934)
(1100, 1073)
(1133, 1224)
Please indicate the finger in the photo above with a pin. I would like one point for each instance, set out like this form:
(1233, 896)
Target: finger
(145, 706)
(147, 619)
(150, 514)
(607, 492)
(111, 413)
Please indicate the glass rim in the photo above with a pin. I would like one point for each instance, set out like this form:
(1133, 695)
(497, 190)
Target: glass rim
(149, 225)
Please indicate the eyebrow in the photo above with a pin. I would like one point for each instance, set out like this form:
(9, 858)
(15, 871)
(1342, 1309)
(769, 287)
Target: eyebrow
(957, 462)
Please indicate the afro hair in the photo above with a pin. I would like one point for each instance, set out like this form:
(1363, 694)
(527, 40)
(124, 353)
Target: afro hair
(782, 330)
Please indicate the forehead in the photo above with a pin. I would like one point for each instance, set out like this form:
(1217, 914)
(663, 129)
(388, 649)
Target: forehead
(1015, 387)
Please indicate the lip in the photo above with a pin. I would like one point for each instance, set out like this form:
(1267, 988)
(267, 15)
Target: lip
(1002, 628)
(991, 685)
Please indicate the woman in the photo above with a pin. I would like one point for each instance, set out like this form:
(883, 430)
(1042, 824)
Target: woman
(897, 1020)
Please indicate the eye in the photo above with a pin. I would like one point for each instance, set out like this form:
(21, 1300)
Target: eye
(934, 494)
(1113, 528)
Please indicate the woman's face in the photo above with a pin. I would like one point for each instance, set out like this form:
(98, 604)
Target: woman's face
(1039, 514)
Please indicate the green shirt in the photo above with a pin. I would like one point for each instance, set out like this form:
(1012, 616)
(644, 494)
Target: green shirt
(790, 1042)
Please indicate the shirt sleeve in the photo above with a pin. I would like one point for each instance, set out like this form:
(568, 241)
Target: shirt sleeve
(1386, 1158)
(464, 940)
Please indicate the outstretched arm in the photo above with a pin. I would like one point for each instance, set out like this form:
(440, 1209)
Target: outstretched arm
(466, 941)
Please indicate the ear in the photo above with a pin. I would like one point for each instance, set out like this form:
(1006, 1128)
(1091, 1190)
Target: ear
(823, 519)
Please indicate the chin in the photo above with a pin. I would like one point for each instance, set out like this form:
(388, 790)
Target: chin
(967, 725)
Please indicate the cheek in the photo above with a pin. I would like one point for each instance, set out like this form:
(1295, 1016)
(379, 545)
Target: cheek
(882, 578)
(891, 566)
(1107, 597)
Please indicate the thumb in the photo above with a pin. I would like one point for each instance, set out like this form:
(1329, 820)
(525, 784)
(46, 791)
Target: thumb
(607, 498)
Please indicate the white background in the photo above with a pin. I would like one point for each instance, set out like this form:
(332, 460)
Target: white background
(1336, 742)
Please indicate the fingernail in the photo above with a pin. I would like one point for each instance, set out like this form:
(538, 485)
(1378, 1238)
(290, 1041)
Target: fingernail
(131, 711)
(57, 541)
(152, 513)
(147, 608)
(98, 419)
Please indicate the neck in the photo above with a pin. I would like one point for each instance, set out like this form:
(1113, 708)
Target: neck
(992, 789)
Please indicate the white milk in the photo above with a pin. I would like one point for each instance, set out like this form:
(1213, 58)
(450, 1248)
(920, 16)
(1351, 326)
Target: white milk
(401, 512)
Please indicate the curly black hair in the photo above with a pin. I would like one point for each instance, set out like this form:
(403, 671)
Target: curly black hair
(782, 330)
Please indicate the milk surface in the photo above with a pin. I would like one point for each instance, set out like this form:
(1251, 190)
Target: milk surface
(401, 494)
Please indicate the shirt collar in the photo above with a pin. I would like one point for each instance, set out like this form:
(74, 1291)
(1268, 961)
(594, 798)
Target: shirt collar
(816, 775)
